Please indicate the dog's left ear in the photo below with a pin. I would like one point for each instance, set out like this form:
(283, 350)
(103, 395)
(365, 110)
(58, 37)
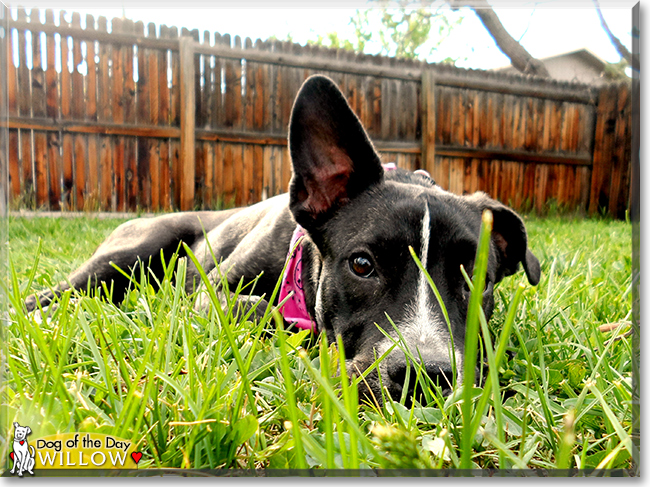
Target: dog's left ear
(510, 237)
(333, 159)
(29, 431)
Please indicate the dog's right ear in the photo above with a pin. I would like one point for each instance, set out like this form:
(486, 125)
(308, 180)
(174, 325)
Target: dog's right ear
(333, 159)
(16, 425)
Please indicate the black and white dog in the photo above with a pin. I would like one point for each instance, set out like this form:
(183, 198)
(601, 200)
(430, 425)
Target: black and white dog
(353, 266)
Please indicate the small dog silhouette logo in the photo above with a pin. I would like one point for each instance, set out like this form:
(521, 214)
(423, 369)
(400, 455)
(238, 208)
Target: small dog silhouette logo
(23, 454)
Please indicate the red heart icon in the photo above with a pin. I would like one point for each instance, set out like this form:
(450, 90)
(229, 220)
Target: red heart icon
(11, 454)
(22, 442)
(136, 455)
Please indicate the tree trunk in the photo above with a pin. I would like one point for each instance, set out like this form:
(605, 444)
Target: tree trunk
(519, 57)
(622, 50)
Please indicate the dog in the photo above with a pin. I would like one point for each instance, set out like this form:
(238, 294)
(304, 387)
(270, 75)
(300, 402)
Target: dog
(353, 221)
(23, 453)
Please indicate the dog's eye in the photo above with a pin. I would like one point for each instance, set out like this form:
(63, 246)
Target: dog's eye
(361, 265)
(486, 291)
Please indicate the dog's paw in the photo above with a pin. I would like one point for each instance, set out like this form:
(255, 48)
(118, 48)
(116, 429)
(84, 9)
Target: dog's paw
(44, 315)
(30, 303)
(258, 304)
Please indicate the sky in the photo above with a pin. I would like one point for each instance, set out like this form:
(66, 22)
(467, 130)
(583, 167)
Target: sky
(545, 28)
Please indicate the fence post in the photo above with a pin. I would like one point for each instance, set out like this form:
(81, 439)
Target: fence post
(428, 110)
(188, 122)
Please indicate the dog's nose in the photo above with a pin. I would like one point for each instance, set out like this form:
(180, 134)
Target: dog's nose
(440, 373)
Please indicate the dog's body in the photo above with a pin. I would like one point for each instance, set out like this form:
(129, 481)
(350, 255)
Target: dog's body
(24, 453)
(359, 222)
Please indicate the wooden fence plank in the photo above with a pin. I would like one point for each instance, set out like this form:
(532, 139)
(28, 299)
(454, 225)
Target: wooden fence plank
(104, 114)
(208, 186)
(117, 110)
(428, 122)
(130, 113)
(14, 167)
(258, 171)
(267, 172)
(188, 150)
(94, 193)
(286, 170)
(165, 177)
(456, 175)
(78, 111)
(228, 175)
(603, 145)
(218, 172)
(199, 176)
(38, 108)
(11, 80)
(144, 146)
(248, 175)
(238, 173)
(620, 154)
(24, 85)
(164, 120)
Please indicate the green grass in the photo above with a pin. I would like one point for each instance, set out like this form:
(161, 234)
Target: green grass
(219, 391)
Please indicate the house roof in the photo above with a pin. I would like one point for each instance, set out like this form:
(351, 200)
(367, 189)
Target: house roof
(583, 54)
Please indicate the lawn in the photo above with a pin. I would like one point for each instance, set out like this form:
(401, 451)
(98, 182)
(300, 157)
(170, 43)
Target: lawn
(219, 391)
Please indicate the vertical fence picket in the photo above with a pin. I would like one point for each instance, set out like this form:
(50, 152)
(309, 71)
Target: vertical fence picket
(144, 145)
(93, 196)
(38, 106)
(104, 114)
(188, 120)
(153, 59)
(12, 110)
(24, 110)
(130, 108)
(117, 107)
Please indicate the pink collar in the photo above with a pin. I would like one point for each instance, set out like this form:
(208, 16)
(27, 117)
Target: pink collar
(295, 309)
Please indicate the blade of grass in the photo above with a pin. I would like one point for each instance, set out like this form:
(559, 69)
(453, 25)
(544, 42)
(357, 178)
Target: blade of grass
(620, 431)
(225, 325)
(327, 403)
(349, 397)
(471, 336)
(296, 432)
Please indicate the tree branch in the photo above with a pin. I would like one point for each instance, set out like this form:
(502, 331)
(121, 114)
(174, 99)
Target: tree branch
(622, 50)
(520, 58)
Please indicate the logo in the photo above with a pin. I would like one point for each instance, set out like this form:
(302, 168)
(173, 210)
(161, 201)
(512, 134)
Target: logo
(71, 451)
(23, 454)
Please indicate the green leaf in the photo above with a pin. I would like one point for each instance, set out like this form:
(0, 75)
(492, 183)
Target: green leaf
(244, 429)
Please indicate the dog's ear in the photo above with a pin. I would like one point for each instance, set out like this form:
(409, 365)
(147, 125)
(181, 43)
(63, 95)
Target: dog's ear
(28, 431)
(16, 425)
(333, 159)
(510, 237)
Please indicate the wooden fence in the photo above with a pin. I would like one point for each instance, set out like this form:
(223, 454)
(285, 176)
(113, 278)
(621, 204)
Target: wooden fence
(153, 119)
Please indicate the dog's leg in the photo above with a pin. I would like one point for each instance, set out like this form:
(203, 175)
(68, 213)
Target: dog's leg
(21, 465)
(245, 301)
(134, 243)
(261, 252)
(31, 461)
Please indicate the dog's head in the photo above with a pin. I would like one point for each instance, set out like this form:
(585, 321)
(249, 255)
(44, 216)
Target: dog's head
(363, 219)
(21, 432)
